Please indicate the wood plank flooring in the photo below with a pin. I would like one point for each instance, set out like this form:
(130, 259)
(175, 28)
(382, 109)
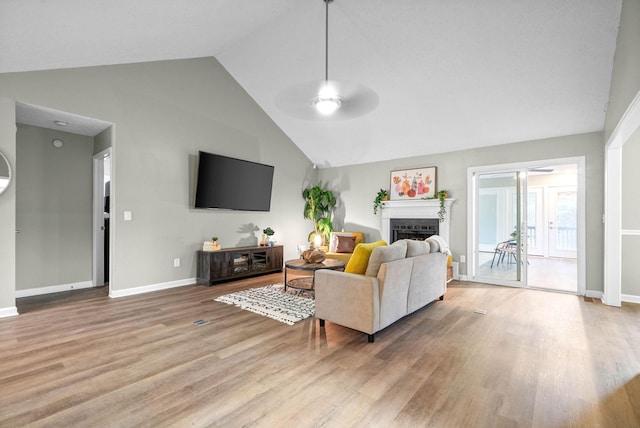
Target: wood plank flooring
(536, 359)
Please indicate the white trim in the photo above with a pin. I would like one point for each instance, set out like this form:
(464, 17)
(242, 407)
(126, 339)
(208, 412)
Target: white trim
(53, 289)
(628, 124)
(630, 232)
(630, 298)
(626, 127)
(149, 288)
(11, 311)
(594, 294)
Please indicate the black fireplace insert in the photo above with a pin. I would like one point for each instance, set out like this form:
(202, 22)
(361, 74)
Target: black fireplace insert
(413, 228)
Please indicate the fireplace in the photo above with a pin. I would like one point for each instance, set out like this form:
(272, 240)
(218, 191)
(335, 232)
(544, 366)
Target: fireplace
(413, 228)
(412, 211)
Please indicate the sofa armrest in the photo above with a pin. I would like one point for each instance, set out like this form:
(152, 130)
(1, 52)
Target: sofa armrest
(348, 299)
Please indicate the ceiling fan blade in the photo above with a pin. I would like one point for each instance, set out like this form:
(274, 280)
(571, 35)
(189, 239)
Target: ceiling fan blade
(356, 100)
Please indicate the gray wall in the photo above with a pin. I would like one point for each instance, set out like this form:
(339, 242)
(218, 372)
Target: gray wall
(358, 185)
(8, 209)
(164, 112)
(53, 208)
(625, 84)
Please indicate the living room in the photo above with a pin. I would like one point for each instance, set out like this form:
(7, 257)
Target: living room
(161, 113)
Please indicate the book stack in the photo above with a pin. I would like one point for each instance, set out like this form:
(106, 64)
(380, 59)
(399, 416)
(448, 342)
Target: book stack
(210, 246)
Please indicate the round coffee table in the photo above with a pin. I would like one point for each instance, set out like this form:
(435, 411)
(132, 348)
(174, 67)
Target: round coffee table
(307, 282)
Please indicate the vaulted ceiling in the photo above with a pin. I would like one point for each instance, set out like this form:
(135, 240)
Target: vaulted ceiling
(447, 75)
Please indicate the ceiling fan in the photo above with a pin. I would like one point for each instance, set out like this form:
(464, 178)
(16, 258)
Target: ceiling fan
(541, 169)
(327, 99)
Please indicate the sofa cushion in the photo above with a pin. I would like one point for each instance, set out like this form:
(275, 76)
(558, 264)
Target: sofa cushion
(417, 248)
(346, 244)
(333, 239)
(360, 258)
(395, 251)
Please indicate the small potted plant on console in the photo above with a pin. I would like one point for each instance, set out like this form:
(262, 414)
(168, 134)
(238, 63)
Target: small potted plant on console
(266, 236)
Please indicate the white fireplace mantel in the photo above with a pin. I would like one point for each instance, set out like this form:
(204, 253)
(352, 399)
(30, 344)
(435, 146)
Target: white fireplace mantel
(421, 208)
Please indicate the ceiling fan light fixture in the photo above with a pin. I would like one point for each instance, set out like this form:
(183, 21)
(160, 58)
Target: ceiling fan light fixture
(327, 105)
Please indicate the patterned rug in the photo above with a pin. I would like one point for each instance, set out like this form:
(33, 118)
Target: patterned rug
(273, 302)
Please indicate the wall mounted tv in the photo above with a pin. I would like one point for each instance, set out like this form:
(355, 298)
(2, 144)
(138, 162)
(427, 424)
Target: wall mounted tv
(232, 184)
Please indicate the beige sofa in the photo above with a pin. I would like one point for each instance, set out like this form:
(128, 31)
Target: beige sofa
(400, 279)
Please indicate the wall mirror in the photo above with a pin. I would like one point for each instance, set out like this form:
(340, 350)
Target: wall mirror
(5, 173)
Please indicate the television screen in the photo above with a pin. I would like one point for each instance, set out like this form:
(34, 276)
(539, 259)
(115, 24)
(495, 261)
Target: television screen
(233, 184)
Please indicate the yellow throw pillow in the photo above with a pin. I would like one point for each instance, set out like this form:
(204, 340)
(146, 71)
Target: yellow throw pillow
(360, 257)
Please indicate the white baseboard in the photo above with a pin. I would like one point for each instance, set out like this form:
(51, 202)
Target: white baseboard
(630, 298)
(594, 294)
(11, 311)
(150, 288)
(53, 289)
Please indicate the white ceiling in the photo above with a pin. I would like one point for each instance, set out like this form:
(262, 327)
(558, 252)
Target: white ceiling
(449, 75)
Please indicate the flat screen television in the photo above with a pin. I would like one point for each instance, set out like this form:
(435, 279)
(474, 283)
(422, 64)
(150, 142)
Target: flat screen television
(233, 184)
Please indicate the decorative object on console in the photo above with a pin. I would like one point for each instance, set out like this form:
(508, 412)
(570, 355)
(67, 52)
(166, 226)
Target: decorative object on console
(314, 255)
(416, 183)
(266, 236)
(211, 245)
(319, 204)
(383, 195)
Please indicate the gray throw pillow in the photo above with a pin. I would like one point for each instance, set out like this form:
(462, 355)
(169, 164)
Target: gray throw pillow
(385, 254)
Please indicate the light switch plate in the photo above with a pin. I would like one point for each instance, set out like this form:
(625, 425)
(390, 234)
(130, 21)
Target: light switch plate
(127, 216)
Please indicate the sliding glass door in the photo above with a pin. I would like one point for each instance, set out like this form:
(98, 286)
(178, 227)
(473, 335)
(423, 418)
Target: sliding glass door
(499, 208)
(526, 225)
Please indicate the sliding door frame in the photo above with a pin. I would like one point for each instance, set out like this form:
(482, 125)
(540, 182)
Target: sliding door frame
(472, 232)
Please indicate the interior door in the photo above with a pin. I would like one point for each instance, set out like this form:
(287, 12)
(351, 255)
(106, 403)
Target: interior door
(563, 203)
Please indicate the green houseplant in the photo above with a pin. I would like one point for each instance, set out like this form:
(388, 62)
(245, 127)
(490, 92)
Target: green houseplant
(382, 195)
(442, 195)
(318, 205)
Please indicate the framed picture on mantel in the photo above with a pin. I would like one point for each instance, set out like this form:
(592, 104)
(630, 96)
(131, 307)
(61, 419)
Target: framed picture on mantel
(416, 183)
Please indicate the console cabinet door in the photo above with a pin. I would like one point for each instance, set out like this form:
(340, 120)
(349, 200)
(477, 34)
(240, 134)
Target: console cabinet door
(240, 262)
(274, 258)
(259, 260)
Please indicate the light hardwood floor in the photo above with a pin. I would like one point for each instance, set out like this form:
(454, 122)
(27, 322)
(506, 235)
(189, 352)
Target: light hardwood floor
(536, 359)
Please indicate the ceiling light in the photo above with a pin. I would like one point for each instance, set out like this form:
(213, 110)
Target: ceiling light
(60, 122)
(326, 106)
(325, 102)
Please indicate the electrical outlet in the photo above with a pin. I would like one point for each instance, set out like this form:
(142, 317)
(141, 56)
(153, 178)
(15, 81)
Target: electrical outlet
(176, 262)
(463, 259)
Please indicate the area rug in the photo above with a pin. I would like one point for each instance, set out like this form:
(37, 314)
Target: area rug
(273, 302)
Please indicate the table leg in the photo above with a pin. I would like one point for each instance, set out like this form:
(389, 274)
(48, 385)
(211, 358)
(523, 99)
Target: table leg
(285, 278)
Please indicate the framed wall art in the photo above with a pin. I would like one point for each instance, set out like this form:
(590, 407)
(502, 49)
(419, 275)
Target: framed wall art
(416, 183)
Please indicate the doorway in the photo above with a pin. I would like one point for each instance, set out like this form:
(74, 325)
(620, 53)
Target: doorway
(533, 241)
(101, 217)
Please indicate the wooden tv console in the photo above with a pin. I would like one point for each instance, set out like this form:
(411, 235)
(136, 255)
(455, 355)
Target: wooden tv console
(237, 262)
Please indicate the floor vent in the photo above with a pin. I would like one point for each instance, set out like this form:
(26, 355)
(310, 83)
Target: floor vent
(200, 322)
